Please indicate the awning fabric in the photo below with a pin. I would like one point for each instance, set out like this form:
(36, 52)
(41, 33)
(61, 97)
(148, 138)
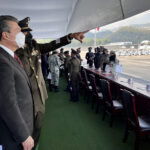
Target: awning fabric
(56, 18)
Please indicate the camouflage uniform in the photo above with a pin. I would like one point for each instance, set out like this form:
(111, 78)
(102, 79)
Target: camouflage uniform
(54, 64)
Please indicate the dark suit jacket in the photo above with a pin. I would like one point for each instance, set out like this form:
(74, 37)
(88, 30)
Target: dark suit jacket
(16, 104)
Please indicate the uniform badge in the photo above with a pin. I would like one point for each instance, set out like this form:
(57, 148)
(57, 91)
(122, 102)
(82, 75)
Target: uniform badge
(35, 53)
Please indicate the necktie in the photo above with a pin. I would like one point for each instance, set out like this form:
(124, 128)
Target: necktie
(18, 60)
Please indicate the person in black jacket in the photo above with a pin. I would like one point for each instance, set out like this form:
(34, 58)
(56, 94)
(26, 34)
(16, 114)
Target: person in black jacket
(90, 57)
(98, 58)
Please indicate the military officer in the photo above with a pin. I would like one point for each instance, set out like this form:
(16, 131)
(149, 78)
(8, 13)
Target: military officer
(31, 59)
(105, 59)
(74, 69)
(61, 54)
(90, 57)
(66, 62)
(98, 58)
(78, 54)
(54, 63)
(62, 57)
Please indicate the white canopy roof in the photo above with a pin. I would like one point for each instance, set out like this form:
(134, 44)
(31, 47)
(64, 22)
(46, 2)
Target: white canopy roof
(56, 18)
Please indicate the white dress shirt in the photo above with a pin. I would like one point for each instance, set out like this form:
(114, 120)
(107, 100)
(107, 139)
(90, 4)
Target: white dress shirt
(7, 50)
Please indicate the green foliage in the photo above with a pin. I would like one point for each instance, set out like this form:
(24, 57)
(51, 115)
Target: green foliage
(131, 34)
(125, 34)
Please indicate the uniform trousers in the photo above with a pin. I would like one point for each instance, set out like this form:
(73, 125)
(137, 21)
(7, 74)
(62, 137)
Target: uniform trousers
(75, 87)
(39, 111)
(55, 77)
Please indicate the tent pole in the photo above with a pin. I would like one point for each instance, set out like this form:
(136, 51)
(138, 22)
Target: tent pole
(95, 39)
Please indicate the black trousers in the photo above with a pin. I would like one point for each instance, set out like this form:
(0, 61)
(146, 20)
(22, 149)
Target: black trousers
(75, 88)
(104, 66)
(7, 140)
(90, 63)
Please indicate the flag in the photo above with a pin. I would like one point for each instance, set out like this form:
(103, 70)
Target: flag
(98, 28)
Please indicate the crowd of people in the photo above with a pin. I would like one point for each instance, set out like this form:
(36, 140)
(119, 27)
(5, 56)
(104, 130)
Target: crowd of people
(22, 85)
(101, 59)
(63, 63)
(60, 62)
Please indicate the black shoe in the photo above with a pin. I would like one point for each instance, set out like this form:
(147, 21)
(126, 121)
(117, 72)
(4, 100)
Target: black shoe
(56, 89)
(50, 87)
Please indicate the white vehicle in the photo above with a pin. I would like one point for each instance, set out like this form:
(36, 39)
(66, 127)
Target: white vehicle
(144, 45)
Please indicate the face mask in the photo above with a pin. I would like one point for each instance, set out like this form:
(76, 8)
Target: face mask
(28, 38)
(20, 39)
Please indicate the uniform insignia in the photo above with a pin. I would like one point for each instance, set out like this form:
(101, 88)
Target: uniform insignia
(35, 53)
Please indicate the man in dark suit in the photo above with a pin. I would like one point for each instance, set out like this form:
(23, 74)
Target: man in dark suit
(16, 103)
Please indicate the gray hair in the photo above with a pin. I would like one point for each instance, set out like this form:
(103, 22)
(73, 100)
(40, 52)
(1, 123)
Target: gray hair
(4, 25)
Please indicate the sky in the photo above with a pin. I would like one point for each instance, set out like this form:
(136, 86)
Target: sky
(141, 18)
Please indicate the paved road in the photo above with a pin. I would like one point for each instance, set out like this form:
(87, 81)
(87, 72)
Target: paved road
(138, 66)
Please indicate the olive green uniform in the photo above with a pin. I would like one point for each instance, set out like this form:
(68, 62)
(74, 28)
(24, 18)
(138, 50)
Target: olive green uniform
(74, 69)
(66, 61)
(31, 59)
(66, 66)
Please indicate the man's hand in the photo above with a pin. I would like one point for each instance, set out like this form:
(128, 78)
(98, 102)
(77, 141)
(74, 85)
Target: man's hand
(28, 144)
(78, 35)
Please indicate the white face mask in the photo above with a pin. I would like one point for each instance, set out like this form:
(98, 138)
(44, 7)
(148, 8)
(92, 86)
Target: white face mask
(20, 39)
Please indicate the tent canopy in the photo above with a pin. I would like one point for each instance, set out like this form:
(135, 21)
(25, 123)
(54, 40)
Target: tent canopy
(56, 18)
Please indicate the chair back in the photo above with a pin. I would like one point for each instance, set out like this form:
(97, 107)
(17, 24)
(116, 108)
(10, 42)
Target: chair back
(80, 79)
(129, 106)
(93, 84)
(85, 79)
(105, 88)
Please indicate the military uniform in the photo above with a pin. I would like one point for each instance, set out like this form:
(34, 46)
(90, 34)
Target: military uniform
(31, 59)
(61, 55)
(54, 64)
(74, 69)
(98, 60)
(90, 58)
(66, 62)
(105, 61)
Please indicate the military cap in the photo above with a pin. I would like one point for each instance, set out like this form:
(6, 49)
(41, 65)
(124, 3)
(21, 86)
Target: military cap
(55, 52)
(74, 51)
(79, 49)
(24, 24)
(66, 52)
(90, 48)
